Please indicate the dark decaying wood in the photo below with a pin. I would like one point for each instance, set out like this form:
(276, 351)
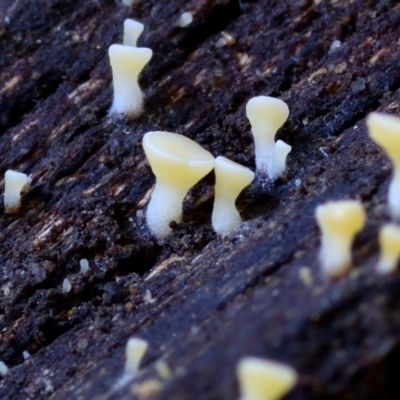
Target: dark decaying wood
(212, 301)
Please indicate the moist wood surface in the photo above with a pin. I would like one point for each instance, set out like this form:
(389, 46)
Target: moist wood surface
(200, 301)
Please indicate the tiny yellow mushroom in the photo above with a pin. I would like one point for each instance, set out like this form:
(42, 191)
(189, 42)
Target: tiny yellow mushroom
(135, 350)
(389, 240)
(132, 30)
(15, 183)
(384, 129)
(339, 222)
(178, 164)
(230, 179)
(261, 379)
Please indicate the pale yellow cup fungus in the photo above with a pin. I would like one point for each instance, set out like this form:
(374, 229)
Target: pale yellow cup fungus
(384, 129)
(230, 179)
(389, 240)
(134, 352)
(126, 63)
(266, 116)
(339, 222)
(261, 379)
(15, 183)
(132, 30)
(178, 164)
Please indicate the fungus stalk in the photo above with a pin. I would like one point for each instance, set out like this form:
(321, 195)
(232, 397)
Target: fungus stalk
(126, 63)
(266, 116)
(389, 240)
(135, 350)
(15, 184)
(263, 379)
(230, 179)
(339, 222)
(132, 30)
(178, 164)
(385, 131)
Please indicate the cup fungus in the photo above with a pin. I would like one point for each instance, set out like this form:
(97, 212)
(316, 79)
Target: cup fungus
(132, 30)
(15, 183)
(126, 63)
(266, 116)
(178, 163)
(263, 379)
(230, 179)
(385, 131)
(389, 240)
(135, 349)
(339, 222)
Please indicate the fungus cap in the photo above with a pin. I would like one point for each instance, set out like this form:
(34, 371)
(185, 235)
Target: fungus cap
(384, 129)
(132, 30)
(389, 240)
(177, 159)
(263, 379)
(262, 110)
(15, 183)
(127, 59)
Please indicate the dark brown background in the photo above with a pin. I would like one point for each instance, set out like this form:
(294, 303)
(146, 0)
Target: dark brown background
(214, 300)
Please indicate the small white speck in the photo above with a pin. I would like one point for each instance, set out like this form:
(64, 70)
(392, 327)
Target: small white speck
(323, 152)
(84, 264)
(185, 19)
(26, 355)
(297, 182)
(3, 368)
(140, 214)
(66, 286)
(335, 45)
(355, 127)
(7, 20)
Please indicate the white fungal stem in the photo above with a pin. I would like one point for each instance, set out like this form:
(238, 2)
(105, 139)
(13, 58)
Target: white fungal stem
(279, 155)
(335, 254)
(135, 350)
(389, 240)
(394, 193)
(164, 207)
(132, 30)
(264, 147)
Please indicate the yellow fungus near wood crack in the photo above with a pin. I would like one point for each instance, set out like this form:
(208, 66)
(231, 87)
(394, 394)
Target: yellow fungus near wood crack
(339, 222)
(266, 116)
(389, 240)
(384, 129)
(126, 63)
(178, 164)
(230, 179)
(15, 184)
(261, 379)
(135, 350)
(132, 30)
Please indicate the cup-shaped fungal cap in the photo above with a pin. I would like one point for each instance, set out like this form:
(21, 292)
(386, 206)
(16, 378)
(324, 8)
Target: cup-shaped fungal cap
(384, 129)
(339, 222)
(126, 63)
(261, 379)
(230, 179)
(266, 116)
(134, 352)
(278, 164)
(389, 240)
(15, 183)
(178, 163)
(132, 30)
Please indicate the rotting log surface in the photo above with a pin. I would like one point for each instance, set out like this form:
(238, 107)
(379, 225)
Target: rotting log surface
(212, 300)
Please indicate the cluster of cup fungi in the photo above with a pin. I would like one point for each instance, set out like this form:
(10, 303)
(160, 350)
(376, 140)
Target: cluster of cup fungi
(178, 163)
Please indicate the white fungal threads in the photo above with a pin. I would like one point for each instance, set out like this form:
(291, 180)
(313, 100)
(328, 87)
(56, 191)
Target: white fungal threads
(15, 183)
(178, 164)
(385, 131)
(339, 222)
(126, 63)
(263, 379)
(185, 19)
(132, 30)
(389, 240)
(135, 350)
(266, 116)
(230, 179)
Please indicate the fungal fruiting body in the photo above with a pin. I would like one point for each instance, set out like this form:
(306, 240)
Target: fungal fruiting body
(230, 179)
(135, 350)
(261, 379)
(185, 19)
(15, 183)
(132, 30)
(266, 116)
(178, 164)
(389, 240)
(339, 222)
(385, 131)
(126, 63)
(129, 2)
